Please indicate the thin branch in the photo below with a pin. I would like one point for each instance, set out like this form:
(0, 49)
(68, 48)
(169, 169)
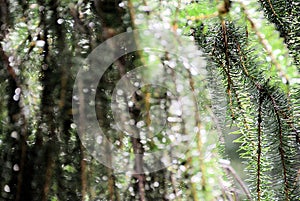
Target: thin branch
(238, 179)
(282, 158)
(229, 81)
(264, 42)
(198, 133)
(231, 85)
(273, 11)
(259, 146)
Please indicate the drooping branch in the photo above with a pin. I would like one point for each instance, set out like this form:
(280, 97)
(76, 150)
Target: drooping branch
(259, 145)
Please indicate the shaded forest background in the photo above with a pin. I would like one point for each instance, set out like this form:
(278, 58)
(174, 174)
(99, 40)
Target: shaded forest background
(251, 89)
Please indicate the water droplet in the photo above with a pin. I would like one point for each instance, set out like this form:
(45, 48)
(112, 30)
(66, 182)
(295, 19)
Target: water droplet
(140, 124)
(14, 134)
(16, 167)
(11, 59)
(91, 24)
(122, 4)
(176, 108)
(281, 57)
(224, 162)
(119, 185)
(156, 184)
(75, 98)
(6, 188)
(17, 91)
(45, 67)
(196, 178)
(16, 97)
(172, 64)
(194, 71)
(172, 196)
(131, 122)
(99, 139)
(73, 126)
(41, 8)
(130, 104)
(60, 21)
(182, 168)
(120, 92)
(40, 43)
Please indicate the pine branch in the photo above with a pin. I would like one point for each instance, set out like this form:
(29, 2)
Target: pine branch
(259, 146)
